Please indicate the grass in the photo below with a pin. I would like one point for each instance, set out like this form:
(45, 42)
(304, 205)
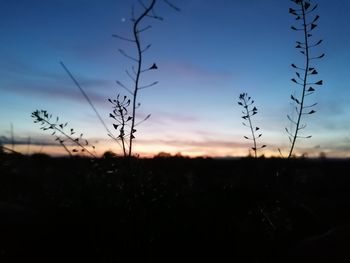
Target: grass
(169, 207)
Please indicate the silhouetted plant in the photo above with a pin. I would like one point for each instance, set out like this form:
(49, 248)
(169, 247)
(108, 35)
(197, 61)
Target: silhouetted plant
(248, 112)
(138, 68)
(303, 73)
(4, 149)
(121, 116)
(58, 129)
(4, 140)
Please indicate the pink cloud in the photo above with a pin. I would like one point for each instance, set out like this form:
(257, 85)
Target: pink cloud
(166, 117)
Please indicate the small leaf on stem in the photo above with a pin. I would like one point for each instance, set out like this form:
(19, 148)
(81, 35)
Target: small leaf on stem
(307, 5)
(313, 26)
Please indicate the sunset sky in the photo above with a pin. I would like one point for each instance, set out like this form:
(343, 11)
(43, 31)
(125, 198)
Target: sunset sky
(207, 55)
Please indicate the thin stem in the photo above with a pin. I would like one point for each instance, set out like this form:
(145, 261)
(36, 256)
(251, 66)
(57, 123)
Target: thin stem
(86, 97)
(8, 149)
(12, 138)
(122, 116)
(65, 147)
(250, 126)
(304, 82)
(136, 33)
(54, 126)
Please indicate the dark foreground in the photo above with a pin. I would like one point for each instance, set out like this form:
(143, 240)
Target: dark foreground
(173, 210)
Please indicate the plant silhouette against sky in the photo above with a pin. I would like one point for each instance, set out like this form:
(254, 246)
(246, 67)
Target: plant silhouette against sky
(249, 110)
(303, 73)
(125, 107)
(138, 69)
(59, 129)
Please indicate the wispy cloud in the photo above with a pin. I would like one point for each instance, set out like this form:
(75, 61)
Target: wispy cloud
(35, 82)
(52, 92)
(23, 78)
(191, 71)
(43, 140)
(162, 117)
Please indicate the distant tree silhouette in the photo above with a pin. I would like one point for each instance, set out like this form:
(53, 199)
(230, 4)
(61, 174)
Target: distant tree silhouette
(163, 155)
(322, 155)
(109, 155)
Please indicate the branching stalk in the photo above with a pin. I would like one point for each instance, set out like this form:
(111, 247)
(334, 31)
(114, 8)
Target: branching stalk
(136, 34)
(301, 105)
(121, 116)
(137, 69)
(246, 102)
(305, 46)
(43, 118)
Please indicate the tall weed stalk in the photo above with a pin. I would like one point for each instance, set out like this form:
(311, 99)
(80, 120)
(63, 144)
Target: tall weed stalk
(305, 72)
(249, 110)
(138, 68)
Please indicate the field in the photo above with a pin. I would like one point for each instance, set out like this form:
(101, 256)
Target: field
(168, 209)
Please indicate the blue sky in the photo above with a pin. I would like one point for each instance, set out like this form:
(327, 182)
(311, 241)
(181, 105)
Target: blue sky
(207, 55)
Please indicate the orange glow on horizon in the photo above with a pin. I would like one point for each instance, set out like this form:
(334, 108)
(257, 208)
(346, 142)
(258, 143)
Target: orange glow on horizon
(150, 150)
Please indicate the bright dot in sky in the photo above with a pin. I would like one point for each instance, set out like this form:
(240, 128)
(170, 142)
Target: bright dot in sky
(123, 19)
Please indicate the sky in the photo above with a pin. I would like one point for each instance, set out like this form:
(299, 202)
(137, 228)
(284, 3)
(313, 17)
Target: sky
(207, 54)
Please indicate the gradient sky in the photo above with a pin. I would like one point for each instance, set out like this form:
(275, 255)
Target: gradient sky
(207, 55)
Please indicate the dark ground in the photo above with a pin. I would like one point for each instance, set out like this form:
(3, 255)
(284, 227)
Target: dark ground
(173, 210)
